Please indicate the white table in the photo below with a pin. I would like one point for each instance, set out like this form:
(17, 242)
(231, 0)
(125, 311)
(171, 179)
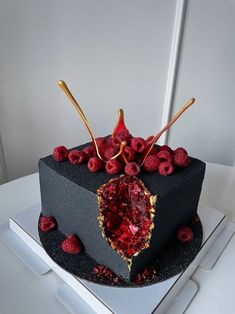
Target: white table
(22, 292)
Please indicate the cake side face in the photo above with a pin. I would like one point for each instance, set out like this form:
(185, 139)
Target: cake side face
(68, 193)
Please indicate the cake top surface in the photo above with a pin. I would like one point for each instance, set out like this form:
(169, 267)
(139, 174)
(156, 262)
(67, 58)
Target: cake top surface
(155, 182)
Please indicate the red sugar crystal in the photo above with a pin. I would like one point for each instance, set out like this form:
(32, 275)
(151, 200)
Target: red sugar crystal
(125, 207)
(149, 274)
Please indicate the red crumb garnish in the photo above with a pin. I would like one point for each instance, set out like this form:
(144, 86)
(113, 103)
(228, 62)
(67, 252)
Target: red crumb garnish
(149, 274)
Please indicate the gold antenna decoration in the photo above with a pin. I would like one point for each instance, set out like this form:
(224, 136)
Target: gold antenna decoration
(168, 125)
(66, 90)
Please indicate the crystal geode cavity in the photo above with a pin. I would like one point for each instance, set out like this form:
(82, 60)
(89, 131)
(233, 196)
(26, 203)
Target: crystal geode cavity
(126, 215)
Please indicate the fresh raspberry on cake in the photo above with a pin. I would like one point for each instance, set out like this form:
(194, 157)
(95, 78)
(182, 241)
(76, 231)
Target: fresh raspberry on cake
(121, 137)
(88, 152)
(185, 234)
(95, 164)
(181, 159)
(166, 148)
(47, 223)
(132, 169)
(110, 151)
(72, 245)
(60, 153)
(166, 168)
(151, 163)
(76, 157)
(113, 166)
(149, 140)
(180, 150)
(138, 144)
(129, 154)
(165, 155)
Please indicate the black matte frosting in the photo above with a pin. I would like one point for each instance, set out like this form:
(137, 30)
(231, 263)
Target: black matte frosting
(68, 193)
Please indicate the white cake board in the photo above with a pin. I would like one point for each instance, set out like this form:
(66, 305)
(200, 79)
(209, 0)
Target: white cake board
(79, 294)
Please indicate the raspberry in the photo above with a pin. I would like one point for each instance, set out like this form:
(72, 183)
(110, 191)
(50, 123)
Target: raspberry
(60, 153)
(100, 141)
(185, 234)
(164, 155)
(153, 151)
(181, 159)
(166, 168)
(110, 152)
(95, 164)
(151, 163)
(166, 148)
(76, 157)
(88, 152)
(149, 140)
(47, 223)
(129, 154)
(72, 245)
(113, 166)
(132, 169)
(180, 150)
(138, 144)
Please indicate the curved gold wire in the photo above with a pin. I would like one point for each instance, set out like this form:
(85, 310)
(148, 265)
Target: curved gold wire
(122, 147)
(66, 90)
(169, 124)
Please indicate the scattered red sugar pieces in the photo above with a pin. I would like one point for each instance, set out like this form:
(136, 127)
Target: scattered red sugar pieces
(60, 153)
(47, 223)
(185, 234)
(125, 223)
(72, 245)
(106, 273)
(149, 274)
(76, 157)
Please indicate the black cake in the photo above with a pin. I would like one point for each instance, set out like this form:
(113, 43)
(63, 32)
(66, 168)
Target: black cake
(69, 194)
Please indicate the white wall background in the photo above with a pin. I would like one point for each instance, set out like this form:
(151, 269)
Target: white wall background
(112, 54)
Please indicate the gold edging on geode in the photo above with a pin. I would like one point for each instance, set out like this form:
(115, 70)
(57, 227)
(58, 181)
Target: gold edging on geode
(100, 218)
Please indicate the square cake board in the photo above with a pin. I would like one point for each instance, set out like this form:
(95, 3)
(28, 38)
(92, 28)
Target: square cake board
(104, 299)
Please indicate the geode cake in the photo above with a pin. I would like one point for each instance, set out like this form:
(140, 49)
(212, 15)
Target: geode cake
(120, 198)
